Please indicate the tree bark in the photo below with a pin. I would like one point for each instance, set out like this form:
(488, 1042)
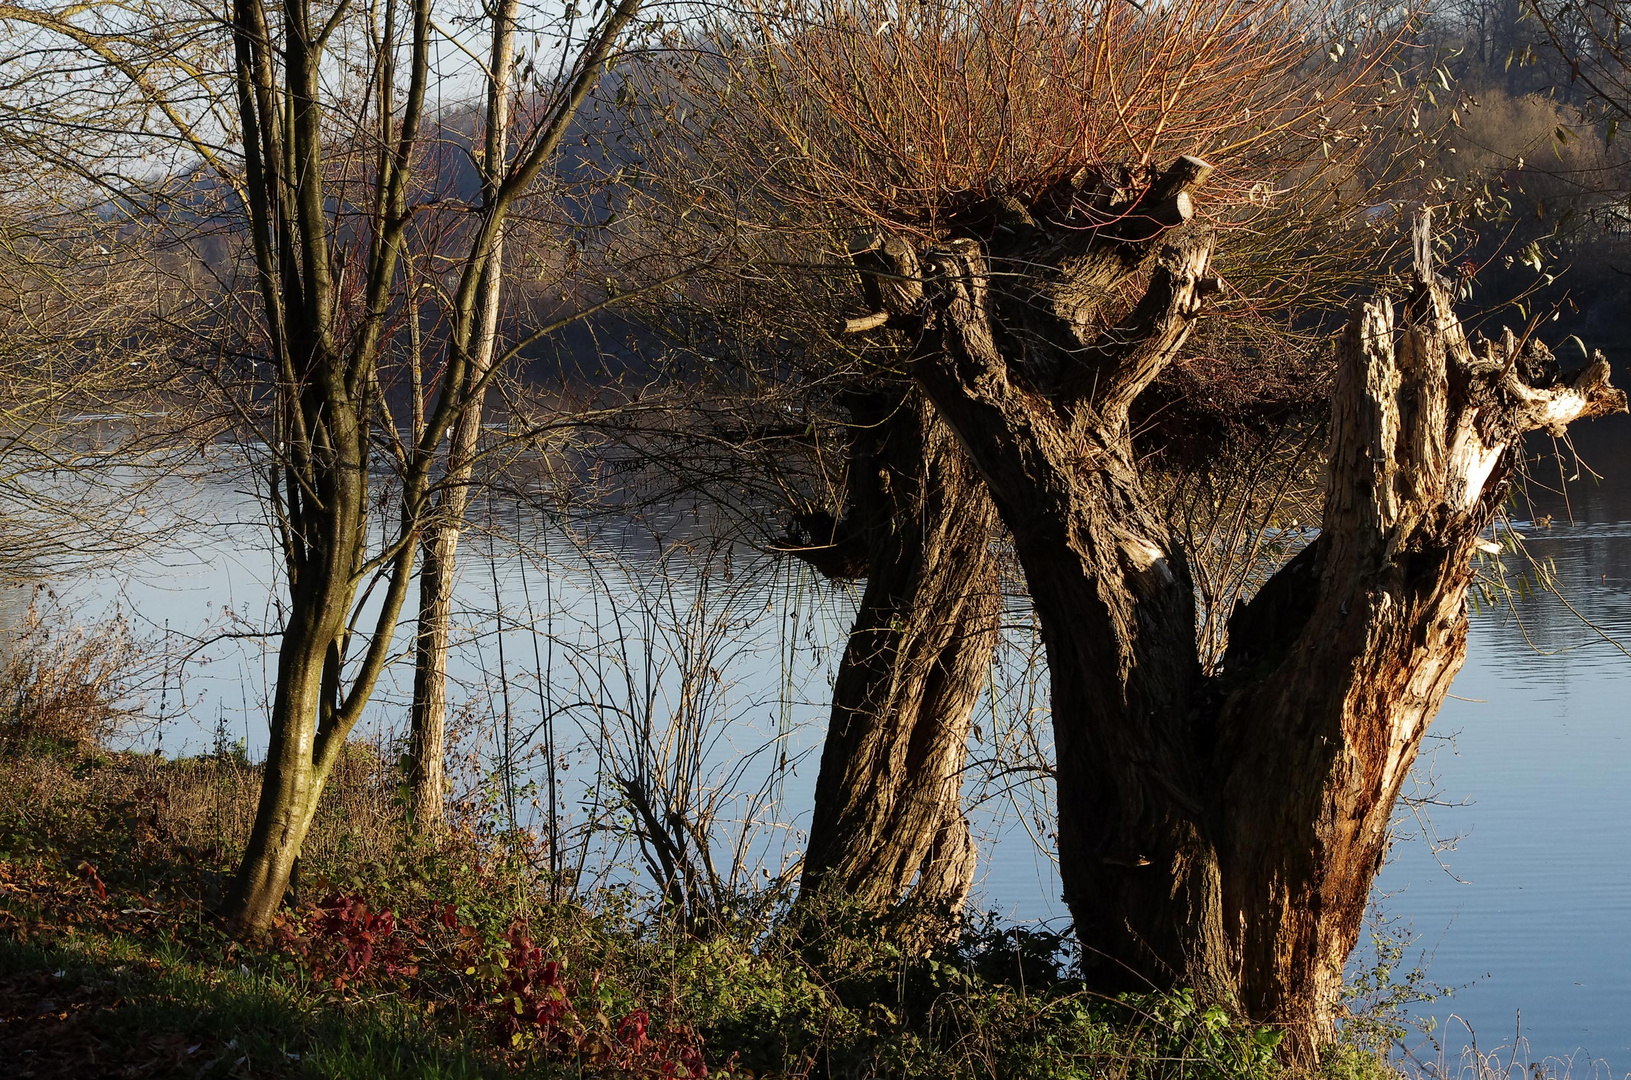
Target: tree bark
(312, 708)
(427, 713)
(290, 788)
(427, 735)
(1336, 668)
(888, 824)
(1223, 832)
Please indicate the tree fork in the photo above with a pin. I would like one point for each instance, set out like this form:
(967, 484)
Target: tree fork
(1334, 671)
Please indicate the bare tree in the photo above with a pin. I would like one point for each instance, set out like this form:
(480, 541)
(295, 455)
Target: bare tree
(83, 365)
(1579, 48)
(327, 358)
(440, 542)
(320, 125)
(88, 292)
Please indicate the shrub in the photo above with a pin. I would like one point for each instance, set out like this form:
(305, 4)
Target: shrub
(64, 687)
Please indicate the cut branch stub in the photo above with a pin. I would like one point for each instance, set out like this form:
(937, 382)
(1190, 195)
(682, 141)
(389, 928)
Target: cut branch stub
(889, 276)
(1165, 203)
(1124, 360)
(1056, 262)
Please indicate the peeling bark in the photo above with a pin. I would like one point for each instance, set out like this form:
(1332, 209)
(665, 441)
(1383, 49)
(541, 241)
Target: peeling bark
(1223, 832)
(888, 825)
(1335, 670)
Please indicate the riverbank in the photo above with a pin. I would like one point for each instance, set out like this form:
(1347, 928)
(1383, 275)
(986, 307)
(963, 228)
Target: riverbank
(397, 960)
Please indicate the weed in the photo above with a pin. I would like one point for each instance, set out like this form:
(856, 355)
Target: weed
(65, 689)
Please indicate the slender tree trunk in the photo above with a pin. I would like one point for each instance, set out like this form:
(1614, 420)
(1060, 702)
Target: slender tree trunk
(1223, 832)
(427, 734)
(427, 740)
(309, 718)
(888, 822)
(289, 791)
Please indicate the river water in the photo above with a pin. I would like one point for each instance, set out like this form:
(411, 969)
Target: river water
(1528, 918)
(710, 673)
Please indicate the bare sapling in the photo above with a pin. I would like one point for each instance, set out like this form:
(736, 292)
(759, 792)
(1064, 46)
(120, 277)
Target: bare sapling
(479, 336)
(327, 351)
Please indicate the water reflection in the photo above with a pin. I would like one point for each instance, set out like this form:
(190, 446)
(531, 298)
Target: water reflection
(1533, 925)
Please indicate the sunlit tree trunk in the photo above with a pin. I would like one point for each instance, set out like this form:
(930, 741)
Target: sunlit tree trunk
(888, 824)
(427, 739)
(323, 410)
(297, 764)
(1223, 832)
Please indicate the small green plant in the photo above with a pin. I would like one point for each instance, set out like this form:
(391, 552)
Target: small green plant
(1376, 1006)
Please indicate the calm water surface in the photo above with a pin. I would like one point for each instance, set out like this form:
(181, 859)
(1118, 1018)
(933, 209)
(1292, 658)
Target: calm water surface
(1522, 906)
(1528, 918)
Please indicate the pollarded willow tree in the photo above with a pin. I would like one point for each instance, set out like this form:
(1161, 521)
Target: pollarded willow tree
(1223, 831)
(820, 448)
(958, 119)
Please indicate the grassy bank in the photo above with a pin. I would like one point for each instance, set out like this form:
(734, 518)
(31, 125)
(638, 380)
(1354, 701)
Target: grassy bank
(400, 961)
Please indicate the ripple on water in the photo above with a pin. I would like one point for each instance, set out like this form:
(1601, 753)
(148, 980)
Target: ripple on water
(1539, 923)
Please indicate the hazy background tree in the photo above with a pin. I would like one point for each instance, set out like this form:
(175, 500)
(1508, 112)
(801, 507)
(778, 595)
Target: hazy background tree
(92, 414)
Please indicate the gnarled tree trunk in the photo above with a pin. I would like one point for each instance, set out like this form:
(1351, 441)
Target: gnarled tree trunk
(889, 825)
(1222, 832)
